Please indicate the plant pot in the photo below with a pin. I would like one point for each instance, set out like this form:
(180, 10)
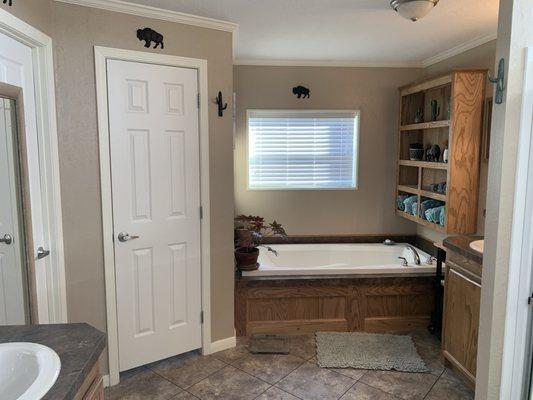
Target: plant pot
(247, 259)
(242, 235)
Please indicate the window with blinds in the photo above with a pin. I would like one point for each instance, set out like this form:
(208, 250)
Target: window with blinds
(302, 149)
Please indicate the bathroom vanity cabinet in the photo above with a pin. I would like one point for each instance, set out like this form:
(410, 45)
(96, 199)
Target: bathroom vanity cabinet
(92, 387)
(444, 113)
(78, 346)
(462, 294)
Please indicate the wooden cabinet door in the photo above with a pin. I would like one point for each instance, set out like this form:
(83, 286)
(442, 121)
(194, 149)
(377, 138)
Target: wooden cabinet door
(461, 321)
(96, 392)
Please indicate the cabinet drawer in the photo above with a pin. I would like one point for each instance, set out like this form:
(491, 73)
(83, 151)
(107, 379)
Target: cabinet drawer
(465, 263)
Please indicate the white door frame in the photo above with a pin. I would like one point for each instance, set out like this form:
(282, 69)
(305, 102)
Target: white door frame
(101, 55)
(517, 348)
(50, 281)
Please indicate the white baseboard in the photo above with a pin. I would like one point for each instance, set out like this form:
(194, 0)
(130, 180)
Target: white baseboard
(223, 344)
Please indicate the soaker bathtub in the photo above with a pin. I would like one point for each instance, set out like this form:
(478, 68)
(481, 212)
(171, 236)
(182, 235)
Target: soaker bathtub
(340, 259)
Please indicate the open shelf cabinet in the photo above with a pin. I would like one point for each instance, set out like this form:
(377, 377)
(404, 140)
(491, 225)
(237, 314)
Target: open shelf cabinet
(448, 112)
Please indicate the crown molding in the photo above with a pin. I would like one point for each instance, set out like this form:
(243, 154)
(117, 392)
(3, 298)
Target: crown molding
(156, 13)
(326, 63)
(226, 26)
(465, 46)
(461, 48)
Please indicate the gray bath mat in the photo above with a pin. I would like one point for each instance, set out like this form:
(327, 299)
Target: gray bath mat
(273, 344)
(368, 351)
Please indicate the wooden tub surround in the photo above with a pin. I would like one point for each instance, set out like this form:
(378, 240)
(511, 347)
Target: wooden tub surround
(304, 305)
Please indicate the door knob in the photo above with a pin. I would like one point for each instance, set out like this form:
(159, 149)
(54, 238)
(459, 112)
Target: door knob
(7, 239)
(125, 236)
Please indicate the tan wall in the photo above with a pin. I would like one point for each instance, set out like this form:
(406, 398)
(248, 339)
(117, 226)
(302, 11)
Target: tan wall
(75, 30)
(370, 208)
(35, 12)
(479, 57)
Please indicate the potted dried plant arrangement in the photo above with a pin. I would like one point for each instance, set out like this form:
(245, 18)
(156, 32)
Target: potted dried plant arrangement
(250, 231)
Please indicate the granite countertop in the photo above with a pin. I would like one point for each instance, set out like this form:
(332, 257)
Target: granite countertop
(461, 245)
(78, 347)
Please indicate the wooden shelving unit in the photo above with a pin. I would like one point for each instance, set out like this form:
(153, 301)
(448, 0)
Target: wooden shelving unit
(460, 95)
(425, 125)
(423, 164)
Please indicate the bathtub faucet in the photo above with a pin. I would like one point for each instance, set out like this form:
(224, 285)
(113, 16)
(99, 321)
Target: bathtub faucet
(272, 250)
(415, 253)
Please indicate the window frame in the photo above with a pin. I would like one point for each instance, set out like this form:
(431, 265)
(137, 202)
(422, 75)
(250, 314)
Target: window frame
(280, 112)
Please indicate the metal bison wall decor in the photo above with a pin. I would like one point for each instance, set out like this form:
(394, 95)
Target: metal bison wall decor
(300, 91)
(149, 36)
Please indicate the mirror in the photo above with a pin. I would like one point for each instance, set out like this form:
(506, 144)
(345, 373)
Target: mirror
(15, 265)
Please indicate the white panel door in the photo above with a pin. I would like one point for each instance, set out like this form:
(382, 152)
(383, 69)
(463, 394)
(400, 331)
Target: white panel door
(12, 288)
(16, 68)
(154, 142)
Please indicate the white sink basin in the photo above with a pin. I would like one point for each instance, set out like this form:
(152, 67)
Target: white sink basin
(27, 370)
(478, 245)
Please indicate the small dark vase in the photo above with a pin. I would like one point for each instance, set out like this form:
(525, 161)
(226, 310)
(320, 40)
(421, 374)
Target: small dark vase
(416, 152)
(247, 258)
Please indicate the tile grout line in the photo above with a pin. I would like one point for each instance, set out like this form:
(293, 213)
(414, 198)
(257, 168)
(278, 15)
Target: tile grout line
(381, 390)
(434, 383)
(261, 379)
(304, 361)
(263, 392)
(286, 391)
(355, 383)
(346, 391)
(202, 379)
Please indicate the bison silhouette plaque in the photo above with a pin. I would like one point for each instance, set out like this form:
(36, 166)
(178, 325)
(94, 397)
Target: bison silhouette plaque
(8, 2)
(149, 36)
(301, 92)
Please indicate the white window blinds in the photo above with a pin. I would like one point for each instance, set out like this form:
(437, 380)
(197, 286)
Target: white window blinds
(302, 149)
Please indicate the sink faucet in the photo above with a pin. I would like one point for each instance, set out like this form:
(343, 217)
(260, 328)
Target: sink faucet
(415, 253)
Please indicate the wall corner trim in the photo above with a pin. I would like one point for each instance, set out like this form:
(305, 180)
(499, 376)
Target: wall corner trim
(461, 48)
(223, 344)
(156, 13)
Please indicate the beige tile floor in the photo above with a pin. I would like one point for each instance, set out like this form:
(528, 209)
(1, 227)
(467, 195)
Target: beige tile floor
(236, 374)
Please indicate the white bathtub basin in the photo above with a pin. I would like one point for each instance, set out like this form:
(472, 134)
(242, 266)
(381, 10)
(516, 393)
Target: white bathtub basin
(340, 259)
(27, 370)
(478, 245)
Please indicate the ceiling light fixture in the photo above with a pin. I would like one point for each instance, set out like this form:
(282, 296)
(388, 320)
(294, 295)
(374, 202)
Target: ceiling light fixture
(413, 9)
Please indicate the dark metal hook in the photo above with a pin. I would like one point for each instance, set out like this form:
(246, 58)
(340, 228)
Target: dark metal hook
(221, 107)
(499, 81)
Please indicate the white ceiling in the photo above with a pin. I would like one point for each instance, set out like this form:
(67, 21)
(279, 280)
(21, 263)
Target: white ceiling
(344, 31)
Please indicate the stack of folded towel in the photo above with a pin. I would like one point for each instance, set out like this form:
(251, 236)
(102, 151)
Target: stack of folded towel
(436, 215)
(431, 210)
(407, 203)
(414, 208)
(437, 187)
(399, 201)
(428, 204)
